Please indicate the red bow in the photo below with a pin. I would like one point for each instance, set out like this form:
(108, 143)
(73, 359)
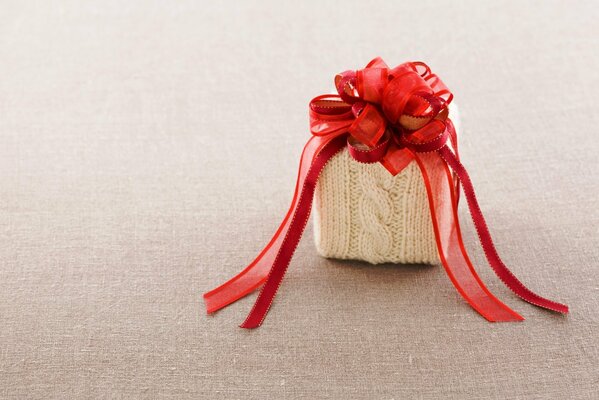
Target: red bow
(392, 116)
(393, 113)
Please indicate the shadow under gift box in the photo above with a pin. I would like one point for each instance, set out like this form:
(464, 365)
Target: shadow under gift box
(362, 212)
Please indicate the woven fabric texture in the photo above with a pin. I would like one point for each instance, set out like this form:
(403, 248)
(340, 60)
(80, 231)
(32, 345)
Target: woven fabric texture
(149, 150)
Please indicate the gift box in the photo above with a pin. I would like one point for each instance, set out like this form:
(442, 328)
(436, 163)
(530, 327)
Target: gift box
(362, 212)
(383, 174)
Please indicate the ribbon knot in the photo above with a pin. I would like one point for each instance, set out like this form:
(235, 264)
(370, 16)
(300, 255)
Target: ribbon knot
(392, 116)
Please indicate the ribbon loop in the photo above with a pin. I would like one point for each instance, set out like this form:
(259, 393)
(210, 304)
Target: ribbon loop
(399, 92)
(369, 126)
(430, 137)
(365, 154)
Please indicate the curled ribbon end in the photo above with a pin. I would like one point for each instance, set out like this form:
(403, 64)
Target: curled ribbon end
(244, 326)
(562, 308)
(512, 317)
(250, 325)
(210, 307)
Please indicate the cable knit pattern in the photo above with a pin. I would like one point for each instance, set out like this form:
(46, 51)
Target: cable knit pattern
(374, 213)
(362, 212)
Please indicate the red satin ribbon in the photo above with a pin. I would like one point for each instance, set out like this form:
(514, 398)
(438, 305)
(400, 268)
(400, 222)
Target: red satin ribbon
(392, 116)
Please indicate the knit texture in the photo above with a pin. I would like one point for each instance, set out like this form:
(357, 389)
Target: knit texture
(362, 212)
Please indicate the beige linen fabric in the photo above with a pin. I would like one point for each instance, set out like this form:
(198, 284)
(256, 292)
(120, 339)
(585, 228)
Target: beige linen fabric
(148, 150)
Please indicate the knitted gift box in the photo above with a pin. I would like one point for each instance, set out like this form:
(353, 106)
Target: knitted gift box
(383, 170)
(362, 212)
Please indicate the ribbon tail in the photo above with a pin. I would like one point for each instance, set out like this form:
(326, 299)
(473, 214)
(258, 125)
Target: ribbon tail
(254, 275)
(300, 217)
(452, 252)
(502, 271)
(453, 138)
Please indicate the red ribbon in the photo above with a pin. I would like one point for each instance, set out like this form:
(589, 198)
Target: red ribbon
(392, 116)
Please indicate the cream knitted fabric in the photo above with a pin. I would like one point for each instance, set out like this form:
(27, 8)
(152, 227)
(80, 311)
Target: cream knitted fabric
(362, 212)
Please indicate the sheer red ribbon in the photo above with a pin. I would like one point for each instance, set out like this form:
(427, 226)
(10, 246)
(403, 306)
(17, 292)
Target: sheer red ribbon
(392, 116)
